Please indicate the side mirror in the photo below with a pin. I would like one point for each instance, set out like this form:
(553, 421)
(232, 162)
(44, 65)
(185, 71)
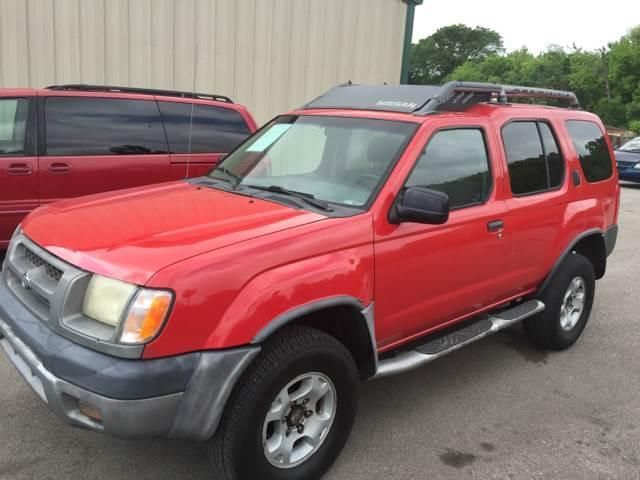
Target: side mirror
(421, 205)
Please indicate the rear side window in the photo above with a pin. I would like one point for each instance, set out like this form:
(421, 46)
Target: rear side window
(214, 129)
(455, 162)
(534, 159)
(13, 125)
(592, 150)
(103, 126)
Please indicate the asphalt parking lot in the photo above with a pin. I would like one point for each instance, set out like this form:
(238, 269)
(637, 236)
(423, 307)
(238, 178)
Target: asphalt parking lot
(498, 409)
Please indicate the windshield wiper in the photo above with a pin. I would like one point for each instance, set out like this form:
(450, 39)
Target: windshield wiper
(306, 197)
(233, 179)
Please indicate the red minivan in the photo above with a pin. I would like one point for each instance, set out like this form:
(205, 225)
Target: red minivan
(72, 140)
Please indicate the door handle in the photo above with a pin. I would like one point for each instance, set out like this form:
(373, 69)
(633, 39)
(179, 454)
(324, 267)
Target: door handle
(495, 226)
(19, 169)
(59, 168)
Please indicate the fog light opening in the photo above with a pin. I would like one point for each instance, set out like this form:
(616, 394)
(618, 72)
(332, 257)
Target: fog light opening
(90, 411)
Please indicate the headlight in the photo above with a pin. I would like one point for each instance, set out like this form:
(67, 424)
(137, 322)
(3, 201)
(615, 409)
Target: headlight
(106, 299)
(138, 313)
(636, 166)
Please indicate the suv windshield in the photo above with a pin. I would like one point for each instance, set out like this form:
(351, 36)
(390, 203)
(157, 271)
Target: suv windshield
(631, 145)
(333, 159)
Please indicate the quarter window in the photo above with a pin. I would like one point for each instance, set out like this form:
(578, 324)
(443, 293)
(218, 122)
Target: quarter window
(103, 126)
(534, 159)
(13, 125)
(592, 149)
(213, 129)
(455, 162)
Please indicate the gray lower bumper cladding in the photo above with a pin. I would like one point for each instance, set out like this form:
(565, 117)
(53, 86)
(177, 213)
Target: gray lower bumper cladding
(191, 413)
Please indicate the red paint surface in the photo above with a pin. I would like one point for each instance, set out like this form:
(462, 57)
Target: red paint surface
(236, 263)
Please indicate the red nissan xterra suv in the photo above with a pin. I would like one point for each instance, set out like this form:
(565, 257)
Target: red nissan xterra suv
(370, 232)
(71, 140)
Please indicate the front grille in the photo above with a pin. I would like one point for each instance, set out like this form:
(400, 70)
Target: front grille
(52, 272)
(34, 275)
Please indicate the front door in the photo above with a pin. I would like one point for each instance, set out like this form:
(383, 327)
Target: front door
(429, 275)
(18, 164)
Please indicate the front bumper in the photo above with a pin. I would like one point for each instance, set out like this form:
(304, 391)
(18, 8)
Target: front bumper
(629, 175)
(175, 397)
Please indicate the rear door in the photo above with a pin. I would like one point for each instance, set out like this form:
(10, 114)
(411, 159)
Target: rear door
(539, 215)
(94, 144)
(18, 163)
(200, 134)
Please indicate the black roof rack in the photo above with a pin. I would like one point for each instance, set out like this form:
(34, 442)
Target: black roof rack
(80, 87)
(425, 99)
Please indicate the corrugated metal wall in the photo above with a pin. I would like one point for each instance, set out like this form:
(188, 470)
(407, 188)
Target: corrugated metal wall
(271, 55)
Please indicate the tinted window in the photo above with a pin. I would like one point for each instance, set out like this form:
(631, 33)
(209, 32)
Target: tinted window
(592, 150)
(555, 163)
(103, 126)
(527, 165)
(455, 162)
(214, 129)
(13, 125)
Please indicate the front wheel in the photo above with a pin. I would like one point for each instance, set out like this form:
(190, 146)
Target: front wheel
(292, 412)
(568, 300)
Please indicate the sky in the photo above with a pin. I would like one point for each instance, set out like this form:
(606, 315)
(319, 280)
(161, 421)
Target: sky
(537, 24)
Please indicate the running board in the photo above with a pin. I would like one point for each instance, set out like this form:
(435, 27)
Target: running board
(433, 349)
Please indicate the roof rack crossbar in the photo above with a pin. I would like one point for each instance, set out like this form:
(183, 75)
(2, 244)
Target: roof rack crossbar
(80, 87)
(451, 94)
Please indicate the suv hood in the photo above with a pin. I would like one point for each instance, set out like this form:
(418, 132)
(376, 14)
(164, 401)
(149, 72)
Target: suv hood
(622, 156)
(131, 234)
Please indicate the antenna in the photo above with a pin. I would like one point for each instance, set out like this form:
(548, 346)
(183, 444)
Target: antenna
(195, 71)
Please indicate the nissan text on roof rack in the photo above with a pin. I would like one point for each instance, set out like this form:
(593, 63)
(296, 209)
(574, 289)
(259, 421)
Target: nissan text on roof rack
(370, 232)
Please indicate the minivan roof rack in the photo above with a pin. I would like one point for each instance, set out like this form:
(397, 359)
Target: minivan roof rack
(81, 87)
(425, 99)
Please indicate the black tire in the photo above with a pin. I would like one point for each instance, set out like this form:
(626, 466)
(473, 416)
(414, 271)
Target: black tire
(545, 328)
(236, 450)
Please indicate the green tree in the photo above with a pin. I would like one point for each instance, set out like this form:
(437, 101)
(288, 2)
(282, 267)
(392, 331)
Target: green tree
(607, 81)
(435, 57)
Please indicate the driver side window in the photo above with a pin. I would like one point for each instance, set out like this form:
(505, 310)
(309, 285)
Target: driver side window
(455, 162)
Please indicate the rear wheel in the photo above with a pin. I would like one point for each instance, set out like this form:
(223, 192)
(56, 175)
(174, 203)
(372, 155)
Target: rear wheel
(568, 300)
(292, 412)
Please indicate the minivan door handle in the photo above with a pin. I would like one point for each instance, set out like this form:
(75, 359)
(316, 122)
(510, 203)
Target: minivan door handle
(59, 168)
(19, 169)
(495, 226)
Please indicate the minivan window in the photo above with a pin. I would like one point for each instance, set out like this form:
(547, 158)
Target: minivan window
(13, 125)
(533, 156)
(455, 162)
(592, 150)
(103, 126)
(213, 130)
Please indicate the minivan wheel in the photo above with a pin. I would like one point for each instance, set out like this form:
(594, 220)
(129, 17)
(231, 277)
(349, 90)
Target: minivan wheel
(292, 411)
(568, 300)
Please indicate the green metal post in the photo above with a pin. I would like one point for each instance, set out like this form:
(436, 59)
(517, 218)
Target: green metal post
(408, 34)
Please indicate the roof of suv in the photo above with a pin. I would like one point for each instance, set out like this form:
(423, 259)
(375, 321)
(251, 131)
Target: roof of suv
(422, 100)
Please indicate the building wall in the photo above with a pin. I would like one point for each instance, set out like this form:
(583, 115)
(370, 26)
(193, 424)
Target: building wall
(271, 55)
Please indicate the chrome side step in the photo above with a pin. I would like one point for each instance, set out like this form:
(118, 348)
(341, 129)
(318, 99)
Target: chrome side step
(434, 349)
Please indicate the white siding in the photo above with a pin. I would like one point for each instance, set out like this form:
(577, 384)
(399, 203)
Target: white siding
(271, 55)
